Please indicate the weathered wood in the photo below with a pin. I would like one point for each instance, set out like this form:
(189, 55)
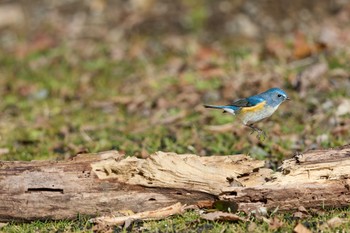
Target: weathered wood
(316, 179)
(186, 171)
(64, 189)
(106, 182)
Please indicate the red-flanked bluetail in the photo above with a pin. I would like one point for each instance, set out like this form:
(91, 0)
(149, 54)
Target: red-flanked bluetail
(255, 108)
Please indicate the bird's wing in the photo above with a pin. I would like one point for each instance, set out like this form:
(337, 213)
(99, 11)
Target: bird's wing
(248, 102)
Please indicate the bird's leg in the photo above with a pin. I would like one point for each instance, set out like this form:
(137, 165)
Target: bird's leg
(260, 131)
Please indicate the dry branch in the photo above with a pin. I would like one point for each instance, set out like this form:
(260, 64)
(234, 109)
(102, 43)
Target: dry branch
(177, 208)
(107, 182)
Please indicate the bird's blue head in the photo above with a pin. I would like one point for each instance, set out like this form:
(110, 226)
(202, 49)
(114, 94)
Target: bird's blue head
(275, 96)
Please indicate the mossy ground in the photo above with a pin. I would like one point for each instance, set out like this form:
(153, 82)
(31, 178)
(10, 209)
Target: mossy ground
(191, 222)
(56, 109)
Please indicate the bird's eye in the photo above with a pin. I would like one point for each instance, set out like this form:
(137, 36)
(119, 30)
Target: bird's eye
(279, 95)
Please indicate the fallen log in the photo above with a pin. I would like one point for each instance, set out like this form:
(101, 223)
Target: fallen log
(103, 183)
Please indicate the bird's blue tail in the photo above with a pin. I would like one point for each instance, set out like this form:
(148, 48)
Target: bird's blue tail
(226, 108)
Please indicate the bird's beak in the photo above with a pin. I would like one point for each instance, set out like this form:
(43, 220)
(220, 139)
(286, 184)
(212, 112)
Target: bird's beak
(287, 98)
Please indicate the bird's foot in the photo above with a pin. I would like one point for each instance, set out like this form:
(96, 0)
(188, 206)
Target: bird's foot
(261, 134)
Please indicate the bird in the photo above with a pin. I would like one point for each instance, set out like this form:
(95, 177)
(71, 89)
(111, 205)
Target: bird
(255, 108)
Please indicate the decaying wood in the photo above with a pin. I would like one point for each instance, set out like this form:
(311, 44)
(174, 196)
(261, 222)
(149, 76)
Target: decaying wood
(177, 208)
(64, 189)
(186, 171)
(316, 179)
(107, 182)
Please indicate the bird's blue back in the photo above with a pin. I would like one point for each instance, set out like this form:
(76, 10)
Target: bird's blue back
(270, 97)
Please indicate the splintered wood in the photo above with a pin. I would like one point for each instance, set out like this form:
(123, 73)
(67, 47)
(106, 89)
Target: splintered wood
(63, 189)
(108, 182)
(177, 208)
(186, 171)
(316, 179)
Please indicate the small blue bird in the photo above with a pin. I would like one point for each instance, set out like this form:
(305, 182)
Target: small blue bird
(255, 108)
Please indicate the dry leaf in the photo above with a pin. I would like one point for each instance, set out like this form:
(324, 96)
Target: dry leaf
(276, 47)
(303, 210)
(252, 226)
(300, 228)
(335, 222)
(206, 54)
(206, 204)
(343, 108)
(147, 215)
(210, 70)
(342, 129)
(40, 43)
(275, 223)
(298, 215)
(222, 216)
(4, 151)
(303, 49)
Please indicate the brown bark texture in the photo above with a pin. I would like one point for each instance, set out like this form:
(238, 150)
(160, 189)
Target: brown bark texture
(107, 182)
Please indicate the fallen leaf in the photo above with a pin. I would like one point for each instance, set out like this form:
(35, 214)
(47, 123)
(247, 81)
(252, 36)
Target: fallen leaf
(205, 204)
(298, 214)
(343, 107)
(341, 130)
(300, 228)
(147, 215)
(103, 229)
(276, 47)
(275, 223)
(206, 54)
(210, 70)
(38, 44)
(252, 226)
(176, 66)
(222, 216)
(335, 222)
(302, 209)
(303, 49)
(4, 151)
(201, 205)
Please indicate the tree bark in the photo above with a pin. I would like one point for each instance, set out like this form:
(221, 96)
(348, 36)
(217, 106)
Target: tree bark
(103, 183)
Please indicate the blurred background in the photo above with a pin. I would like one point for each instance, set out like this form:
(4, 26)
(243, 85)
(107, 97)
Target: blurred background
(132, 75)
